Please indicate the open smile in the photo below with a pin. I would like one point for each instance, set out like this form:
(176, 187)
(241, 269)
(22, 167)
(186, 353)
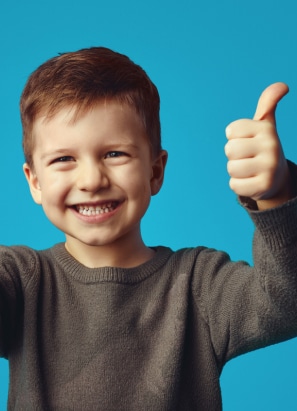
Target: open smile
(92, 210)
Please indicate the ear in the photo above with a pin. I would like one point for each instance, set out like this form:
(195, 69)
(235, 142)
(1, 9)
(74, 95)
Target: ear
(33, 183)
(158, 169)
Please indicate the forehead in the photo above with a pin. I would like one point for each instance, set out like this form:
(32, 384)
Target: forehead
(108, 114)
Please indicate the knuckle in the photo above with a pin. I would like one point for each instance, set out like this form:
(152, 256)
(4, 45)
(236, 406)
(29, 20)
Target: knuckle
(228, 130)
(230, 149)
(233, 184)
(226, 149)
(230, 167)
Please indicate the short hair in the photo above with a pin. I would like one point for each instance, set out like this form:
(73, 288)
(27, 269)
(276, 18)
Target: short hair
(83, 78)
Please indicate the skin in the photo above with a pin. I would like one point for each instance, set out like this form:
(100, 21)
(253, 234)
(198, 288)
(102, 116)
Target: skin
(257, 165)
(103, 159)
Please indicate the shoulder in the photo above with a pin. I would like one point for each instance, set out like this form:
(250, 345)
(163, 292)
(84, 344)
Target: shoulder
(17, 255)
(192, 255)
(196, 262)
(21, 262)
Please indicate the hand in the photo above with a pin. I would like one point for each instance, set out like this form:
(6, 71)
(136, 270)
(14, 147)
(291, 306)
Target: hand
(257, 165)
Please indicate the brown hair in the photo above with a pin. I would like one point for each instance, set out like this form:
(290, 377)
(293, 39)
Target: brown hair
(81, 79)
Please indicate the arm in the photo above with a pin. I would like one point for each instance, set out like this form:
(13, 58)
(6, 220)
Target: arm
(13, 266)
(251, 307)
(247, 308)
(257, 165)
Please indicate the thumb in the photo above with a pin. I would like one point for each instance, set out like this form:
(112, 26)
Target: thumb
(268, 101)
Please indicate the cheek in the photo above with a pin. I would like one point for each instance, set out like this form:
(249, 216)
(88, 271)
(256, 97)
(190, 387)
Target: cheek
(139, 186)
(142, 197)
(53, 188)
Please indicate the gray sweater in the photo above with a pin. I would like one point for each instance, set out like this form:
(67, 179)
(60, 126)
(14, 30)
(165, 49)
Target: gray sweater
(150, 338)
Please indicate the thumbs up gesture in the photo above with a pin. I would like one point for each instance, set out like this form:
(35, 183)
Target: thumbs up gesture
(256, 162)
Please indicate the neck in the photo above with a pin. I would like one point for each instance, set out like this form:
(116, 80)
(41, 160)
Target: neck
(124, 254)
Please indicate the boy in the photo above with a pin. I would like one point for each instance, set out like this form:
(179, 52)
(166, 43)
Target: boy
(104, 322)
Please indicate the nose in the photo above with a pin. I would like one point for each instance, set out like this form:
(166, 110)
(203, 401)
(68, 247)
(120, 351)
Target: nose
(92, 177)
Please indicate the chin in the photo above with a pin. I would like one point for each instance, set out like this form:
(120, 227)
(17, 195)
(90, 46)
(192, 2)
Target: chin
(96, 242)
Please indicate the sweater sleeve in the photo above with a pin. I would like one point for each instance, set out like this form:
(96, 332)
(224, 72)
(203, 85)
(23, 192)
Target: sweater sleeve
(16, 268)
(251, 307)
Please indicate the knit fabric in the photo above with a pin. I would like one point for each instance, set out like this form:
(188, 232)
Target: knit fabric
(149, 338)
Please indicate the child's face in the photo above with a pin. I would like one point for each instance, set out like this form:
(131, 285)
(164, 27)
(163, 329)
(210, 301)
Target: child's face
(94, 177)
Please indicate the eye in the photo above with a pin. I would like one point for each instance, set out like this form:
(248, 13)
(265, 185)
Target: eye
(63, 159)
(114, 154)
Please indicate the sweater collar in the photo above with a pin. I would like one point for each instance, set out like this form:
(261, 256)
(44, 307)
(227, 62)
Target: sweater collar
(79, 272)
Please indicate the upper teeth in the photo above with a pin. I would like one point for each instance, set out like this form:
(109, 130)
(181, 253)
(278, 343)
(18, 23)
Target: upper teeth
(90, 210)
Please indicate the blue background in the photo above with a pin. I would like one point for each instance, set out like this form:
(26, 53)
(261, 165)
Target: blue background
(210, 60)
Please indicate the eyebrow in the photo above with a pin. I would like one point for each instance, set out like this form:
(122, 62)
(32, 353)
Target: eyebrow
(108, 147)
(60, 151)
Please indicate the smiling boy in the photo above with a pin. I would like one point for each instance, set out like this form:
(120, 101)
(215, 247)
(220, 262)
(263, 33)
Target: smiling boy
(104, 322)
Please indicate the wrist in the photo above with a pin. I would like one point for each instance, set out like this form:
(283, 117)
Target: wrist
(282, 196)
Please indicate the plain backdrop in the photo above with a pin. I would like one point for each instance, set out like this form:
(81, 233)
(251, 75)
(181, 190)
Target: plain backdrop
(210, 60)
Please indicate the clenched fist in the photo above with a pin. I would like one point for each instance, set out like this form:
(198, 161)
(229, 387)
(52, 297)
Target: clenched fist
(257, 165)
